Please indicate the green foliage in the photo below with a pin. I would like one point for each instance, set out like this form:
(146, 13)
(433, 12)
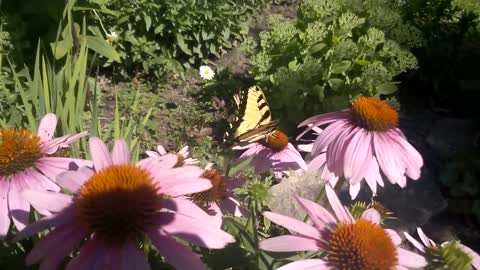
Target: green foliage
(159, 36)
(334, 52)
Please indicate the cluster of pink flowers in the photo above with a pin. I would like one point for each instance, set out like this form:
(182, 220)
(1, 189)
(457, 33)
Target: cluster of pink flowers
(111, 207)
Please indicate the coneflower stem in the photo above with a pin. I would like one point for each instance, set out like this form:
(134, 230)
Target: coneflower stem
(254, 230)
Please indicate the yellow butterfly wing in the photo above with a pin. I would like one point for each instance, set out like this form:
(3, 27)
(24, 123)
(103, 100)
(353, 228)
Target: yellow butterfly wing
(254, 121)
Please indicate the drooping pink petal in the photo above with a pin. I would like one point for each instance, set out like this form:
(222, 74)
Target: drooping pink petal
(187, 229)
(386, 159)
(414, 242)
(336, 151)
(19, 207)
(337, 206)
(409, 155)
(164, 162)
(92, 256)
(4, 218)
(396, 239)
(161, 150)
(316, 213)
(358, 156)
(327, 136)
(410, 259)
(178, 255)
(100, 155)
(181, 181)
(53, 166)
(322, 119)
(305, 147)
(354, 190)
(120, 153)
(216, 214)
(183, 206)
(289, 243)
(185, 151)
(294, 155)
(132, 258)
(317, 162)
(426, 241)
(415, 155)
(51, 201)
(152, 154)
(57, 220)
(372, 176)
(114, 255)
(125, 256)
(371, 215)
(293, 225)
(73, 180)
(36, 180)
(52, 146)
(47, 126)
(54, 247)
(232, 206)
(310, 264)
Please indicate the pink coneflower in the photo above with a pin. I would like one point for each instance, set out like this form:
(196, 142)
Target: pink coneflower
(220, 198)
(30, 161)
(346, 243)
(449, 255)
(183, 156)
(274, 154)
(117, 206)
(362, 140)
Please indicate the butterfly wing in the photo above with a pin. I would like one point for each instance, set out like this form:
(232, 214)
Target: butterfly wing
(254, 121)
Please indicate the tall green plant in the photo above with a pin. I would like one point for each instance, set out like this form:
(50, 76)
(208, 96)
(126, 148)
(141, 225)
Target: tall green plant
(334, 52)
(166, 36)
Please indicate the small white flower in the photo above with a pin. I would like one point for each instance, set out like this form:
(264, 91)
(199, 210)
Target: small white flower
(206, 73)
(112, 37)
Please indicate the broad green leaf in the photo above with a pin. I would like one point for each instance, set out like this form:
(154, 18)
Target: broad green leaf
(336, 83)
(103, 48)
(293, 65)
(183, 46)
(387, 88)
(159, 28)
(60, 48)
(341, 66)
(316, 48)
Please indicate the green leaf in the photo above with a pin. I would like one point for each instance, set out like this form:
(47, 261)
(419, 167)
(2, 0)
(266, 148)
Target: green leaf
(103, 48)
(387, 88)
(362, 62)
(335, 83)
(183, 46)
(316, 48)
(148, 22)
(60, 48)
(159, 28)
(293, 65)
(341, 66)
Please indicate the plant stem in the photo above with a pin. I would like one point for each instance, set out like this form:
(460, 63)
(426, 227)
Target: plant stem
(254, 230)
